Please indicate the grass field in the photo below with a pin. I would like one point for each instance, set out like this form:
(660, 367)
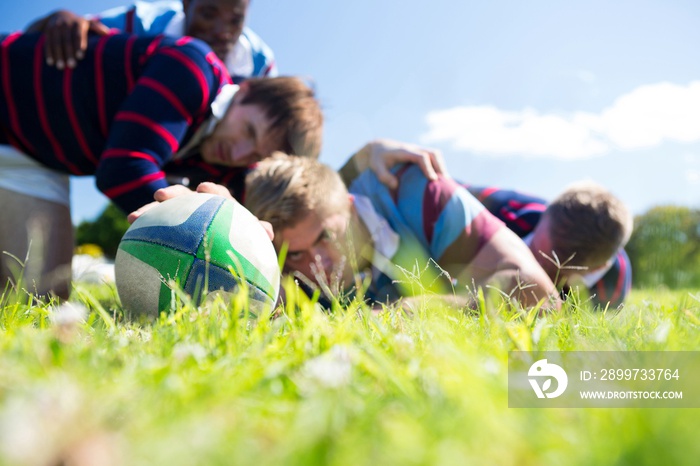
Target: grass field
(213, 386)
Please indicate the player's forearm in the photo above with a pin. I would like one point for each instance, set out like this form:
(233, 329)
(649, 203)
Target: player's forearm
(414, 304)
(504, 263)
(129, 182)
(528, 289)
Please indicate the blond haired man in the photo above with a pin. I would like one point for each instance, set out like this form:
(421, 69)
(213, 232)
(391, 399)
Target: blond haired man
(336, 238)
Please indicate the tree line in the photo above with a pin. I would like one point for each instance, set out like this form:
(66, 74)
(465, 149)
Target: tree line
(665, 248)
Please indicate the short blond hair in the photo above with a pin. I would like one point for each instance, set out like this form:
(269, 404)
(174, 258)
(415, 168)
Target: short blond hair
(283, 190)
(588, 222)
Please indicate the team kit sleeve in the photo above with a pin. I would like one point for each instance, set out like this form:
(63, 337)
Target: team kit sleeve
(443, 215)
(141, 18)
(251, 58)
(115, 18)
(264, 65)
(174, 92)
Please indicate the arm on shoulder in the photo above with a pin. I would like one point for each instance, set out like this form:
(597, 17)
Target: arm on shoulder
(380, 155)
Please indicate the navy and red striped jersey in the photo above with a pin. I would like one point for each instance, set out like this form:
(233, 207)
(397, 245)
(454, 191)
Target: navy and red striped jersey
(120, 115)
(521, 213)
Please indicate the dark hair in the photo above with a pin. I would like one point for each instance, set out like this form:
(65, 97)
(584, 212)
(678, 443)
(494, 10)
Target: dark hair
(293, 110)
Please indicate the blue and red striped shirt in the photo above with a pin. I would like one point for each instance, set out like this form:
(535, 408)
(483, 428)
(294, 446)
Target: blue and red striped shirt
(521, 213)
(430, 217)
(120, 115)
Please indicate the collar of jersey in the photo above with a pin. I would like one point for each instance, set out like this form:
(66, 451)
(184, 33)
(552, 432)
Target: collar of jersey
(218, 110)
(385, 240)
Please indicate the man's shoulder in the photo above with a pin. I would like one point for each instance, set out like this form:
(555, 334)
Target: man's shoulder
(188, 60)
(250, 58)
(412, 185)
(158, 7)
(440, 203)
(257, 44)
(143, 17)
(151, 45)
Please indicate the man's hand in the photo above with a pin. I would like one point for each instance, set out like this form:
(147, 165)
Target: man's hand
(382, 154)
(176, 190)
(161, 195)
(213, 188)
(66, 37)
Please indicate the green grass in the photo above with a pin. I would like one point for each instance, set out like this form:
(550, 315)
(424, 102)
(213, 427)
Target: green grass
(352, 387)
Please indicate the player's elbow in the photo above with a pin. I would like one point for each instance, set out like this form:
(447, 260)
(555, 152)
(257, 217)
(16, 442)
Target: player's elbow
(103, 180)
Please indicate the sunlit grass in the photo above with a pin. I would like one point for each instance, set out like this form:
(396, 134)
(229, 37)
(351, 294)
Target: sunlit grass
(217, 386)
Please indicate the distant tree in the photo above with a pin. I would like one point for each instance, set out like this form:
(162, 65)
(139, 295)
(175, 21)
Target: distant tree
(665, 247)
(106, 231)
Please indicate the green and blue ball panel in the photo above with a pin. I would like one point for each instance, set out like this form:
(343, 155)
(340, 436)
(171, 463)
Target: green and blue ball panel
(201, 243)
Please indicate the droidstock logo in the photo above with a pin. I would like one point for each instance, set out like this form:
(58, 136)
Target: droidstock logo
(543, 370)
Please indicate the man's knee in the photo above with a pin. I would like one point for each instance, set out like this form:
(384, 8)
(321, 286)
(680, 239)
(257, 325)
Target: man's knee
(36, 241)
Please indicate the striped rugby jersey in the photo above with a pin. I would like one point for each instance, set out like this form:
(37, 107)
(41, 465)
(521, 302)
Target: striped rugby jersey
(521, 213)
(250, 57)
(429, 217)
(121, 114)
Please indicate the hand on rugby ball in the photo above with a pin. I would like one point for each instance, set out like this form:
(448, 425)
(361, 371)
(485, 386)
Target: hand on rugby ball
(175, 190)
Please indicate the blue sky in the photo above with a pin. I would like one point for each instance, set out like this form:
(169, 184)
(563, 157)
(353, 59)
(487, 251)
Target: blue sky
(529, 95)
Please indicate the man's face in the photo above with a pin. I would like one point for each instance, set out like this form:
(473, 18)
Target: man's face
(241, 138)
(316, 248)
(219, 23)
(541, 247)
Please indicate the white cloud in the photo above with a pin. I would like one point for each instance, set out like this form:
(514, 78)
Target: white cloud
(651, 114)
(645, 117)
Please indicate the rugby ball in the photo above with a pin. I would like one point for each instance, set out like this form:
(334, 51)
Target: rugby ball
(197, 243)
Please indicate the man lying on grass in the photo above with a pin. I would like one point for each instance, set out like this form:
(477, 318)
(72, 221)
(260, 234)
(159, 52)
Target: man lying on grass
(585, 226)
(391, 243)
(578, 238)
